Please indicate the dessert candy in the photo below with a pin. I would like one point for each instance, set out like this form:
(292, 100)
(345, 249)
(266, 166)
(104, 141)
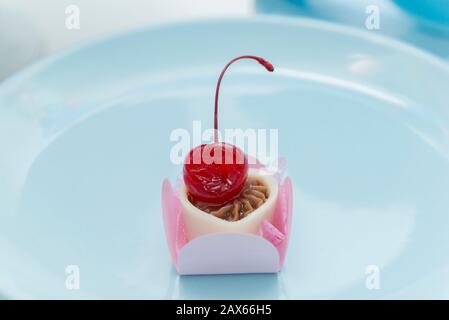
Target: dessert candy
(224, 199)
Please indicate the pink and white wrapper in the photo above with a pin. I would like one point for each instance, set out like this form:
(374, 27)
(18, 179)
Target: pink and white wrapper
(229, 253)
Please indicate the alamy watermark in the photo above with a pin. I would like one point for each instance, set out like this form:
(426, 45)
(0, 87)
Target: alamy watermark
(261, 144)
(372, 280)
(372, 21)
(72, 281)
(72, 19)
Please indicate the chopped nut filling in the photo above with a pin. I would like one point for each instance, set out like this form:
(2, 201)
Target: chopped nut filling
(254, 194)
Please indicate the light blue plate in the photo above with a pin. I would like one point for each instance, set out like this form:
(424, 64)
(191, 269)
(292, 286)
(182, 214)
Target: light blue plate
(363, 121)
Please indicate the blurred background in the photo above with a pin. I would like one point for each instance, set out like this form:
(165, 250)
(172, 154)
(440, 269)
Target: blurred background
(30, 30)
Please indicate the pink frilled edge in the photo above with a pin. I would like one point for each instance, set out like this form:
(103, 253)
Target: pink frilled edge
(223, 253)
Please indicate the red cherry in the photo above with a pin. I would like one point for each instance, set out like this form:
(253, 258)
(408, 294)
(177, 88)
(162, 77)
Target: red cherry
(216, 173)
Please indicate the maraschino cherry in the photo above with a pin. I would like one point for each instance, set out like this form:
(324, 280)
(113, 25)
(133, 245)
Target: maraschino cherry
(216, 173)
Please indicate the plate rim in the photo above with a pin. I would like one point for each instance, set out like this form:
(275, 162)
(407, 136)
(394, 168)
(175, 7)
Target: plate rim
(332, 27)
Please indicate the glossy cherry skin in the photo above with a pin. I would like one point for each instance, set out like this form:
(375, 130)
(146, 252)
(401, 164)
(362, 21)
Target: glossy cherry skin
(215, 173)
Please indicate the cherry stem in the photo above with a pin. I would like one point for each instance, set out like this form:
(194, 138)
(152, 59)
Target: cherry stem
(262, 61)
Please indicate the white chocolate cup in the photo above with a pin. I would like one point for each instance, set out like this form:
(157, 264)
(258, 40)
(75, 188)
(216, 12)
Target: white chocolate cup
(198, 222)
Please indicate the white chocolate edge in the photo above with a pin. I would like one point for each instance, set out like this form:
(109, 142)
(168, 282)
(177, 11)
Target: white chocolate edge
(199, 223)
